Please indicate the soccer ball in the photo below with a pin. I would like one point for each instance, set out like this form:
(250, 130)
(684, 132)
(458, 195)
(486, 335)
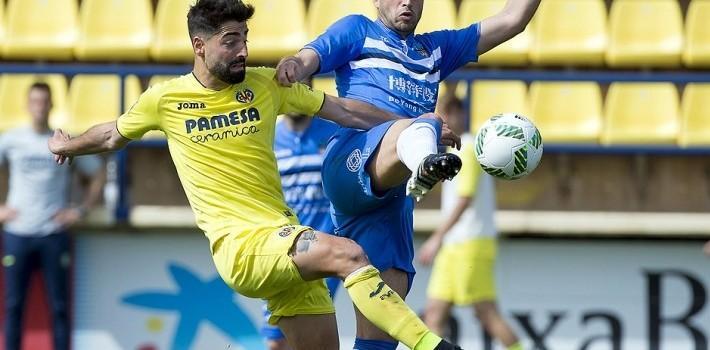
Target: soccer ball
(508, 146)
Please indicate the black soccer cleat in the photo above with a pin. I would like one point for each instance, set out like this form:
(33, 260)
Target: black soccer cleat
(433, 169)
(444, 345)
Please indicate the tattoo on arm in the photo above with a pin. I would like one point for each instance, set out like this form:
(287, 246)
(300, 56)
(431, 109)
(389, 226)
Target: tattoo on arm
(304, 242)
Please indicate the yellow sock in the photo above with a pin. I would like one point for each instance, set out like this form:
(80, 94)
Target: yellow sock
(385, 309)
(515, 346)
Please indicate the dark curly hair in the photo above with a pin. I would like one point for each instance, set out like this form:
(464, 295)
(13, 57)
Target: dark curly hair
(206, 16)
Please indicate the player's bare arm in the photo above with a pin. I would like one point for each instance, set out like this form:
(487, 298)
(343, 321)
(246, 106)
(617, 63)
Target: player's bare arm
(99, 138)
(506, 24)
(298, 67)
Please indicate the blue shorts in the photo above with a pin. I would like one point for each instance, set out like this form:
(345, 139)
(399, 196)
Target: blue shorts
(382, 224)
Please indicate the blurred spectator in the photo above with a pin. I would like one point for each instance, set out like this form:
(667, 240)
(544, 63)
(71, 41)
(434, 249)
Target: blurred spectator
(37, 215)
(706, 248)
(463, 248)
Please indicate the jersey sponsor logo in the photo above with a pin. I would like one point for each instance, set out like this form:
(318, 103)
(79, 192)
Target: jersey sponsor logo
(354, 160)
(191, 105)
(223, 120)
(245, 96)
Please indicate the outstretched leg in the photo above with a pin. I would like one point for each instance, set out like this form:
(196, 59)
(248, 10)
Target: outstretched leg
(408, 151)
(318, 255)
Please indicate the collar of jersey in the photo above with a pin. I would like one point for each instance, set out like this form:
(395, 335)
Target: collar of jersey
(393, 35)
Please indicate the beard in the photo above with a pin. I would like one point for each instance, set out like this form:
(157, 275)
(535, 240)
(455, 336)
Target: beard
(223, 72)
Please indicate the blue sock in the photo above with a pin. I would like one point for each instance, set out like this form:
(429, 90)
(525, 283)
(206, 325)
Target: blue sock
(366, 344)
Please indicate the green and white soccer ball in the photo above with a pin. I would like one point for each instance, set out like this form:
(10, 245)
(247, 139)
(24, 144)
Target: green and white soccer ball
(508, 146)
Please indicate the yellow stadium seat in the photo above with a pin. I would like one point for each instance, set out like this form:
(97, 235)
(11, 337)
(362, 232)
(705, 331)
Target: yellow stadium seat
(697, 35)
(2, 23)
(513, 52)
(491, 97)
(115, 30)
(269, 41)
(323, 13)
(437, 15)
(569, 32)
(641, 113)
(646, 33)
(40, 29)
(13, 98)
(567, 112)
(695, 115)
(326, 85)
(171, 41)
(94, 99)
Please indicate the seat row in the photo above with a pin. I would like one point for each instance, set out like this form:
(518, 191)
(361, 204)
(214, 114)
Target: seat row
(563, 32)
(565, 112)
(585, 112)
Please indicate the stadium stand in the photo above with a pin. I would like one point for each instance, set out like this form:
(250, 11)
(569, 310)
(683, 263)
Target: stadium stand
(94, 99)
(269, 42)
(695, 115)
(570, 33)
(493, 97)
(40, 30)
(438, 15)
(13, 99)
(567, 112)
(115, 30)
(171, 41)
(637, 39)
(512, 53)
(641, 113)
(323, 13)
(697, 33)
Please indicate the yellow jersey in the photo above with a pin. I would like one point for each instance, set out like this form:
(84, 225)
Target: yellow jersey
(222, 145)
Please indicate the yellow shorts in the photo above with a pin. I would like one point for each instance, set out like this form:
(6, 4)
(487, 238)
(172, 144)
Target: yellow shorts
(463, 272)
(256, 264)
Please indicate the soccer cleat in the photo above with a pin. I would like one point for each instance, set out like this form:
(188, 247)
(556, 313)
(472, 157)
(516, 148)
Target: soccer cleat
(444, 345)
(433, 169)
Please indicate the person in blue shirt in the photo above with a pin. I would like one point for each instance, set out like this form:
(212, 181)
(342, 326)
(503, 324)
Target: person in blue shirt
(367, 175)
(299, 144)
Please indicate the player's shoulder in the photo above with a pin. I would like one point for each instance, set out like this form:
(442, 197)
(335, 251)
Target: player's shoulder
(180, 82)
(261, 73)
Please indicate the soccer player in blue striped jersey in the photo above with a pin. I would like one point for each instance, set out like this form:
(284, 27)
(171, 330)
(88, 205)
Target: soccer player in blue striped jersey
(367, 175)
(299, 144)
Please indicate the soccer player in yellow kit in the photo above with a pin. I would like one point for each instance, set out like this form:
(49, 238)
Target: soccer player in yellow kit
(219, 121)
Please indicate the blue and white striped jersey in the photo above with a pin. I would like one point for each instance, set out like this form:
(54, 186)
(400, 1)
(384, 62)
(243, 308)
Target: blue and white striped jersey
(373, 63)
(300, 158)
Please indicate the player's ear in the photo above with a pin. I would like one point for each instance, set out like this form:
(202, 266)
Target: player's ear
(198, 45)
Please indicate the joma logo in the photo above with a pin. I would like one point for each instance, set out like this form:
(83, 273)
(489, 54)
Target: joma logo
(191, 105)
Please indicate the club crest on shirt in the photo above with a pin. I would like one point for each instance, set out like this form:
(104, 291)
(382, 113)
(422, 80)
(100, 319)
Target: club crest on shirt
(245, 96)
(286, 231)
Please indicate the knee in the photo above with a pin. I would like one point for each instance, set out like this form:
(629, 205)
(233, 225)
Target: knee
(349, 256)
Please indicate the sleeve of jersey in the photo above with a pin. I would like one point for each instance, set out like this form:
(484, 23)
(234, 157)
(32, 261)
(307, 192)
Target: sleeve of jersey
(467, 179)
(141, 117)
(301, 99)
(340, 43)
(458, 47)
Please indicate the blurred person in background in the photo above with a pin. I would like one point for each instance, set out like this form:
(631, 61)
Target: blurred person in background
(706, 248)
(37, 217)
(463, 249)
(299, 143)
